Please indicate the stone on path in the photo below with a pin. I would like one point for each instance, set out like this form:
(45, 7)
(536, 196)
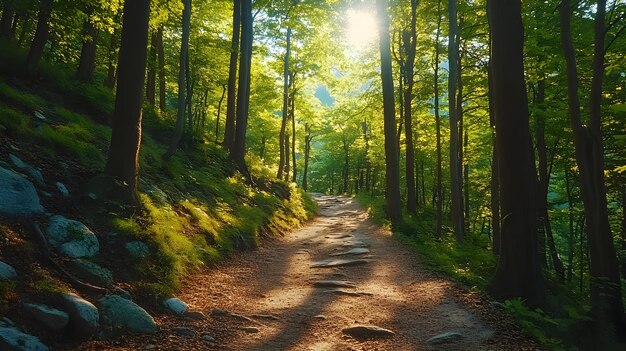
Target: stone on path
(184, 331)
(355, 251)
(92, 272)
(207, 337)
(334, 284)
(368, 332)
(84, 316)
(62, 189)
(18, 194)
(251, 329)
(12, 339)
(7, 271)
(47, 316)
(338, 263)
(31, 171)
(195, 315)
(357, 244)
(71, 238)
(348, 292)
(338, 236)
(444, 338)
(266, 316)
(176, 305)
(117, 312)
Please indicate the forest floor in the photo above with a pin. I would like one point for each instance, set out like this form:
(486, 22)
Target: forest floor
(267, 299)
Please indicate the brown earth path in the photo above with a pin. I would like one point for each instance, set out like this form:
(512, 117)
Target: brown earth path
(271, 302)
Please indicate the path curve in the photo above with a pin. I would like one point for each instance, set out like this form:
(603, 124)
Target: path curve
(282, 297)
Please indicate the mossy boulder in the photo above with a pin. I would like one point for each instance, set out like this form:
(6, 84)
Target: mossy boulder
(71, 238)
(119, 313)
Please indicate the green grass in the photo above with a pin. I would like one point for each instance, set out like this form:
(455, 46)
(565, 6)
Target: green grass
(24, 99)
(15, 122)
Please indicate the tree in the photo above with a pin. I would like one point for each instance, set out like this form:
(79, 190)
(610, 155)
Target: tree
(6, 21)
(40, 38)
(518, 274)
(606, 298)
(285, 111)
(238, 152)
(438, 187)
(394, 211)
(229, 130)
(182, 81)
(123, 161)
(87, 61)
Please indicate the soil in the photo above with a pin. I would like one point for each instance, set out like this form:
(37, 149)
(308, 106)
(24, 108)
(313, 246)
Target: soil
(268, 299)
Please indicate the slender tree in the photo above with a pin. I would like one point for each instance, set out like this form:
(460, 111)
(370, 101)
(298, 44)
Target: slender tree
(123, 161)
(87, 61)
(231, 107)
(6, 20)
(40, 38)
(438, 187)
(152, 70)
(518, 274)
(409, 42)
(392, 167)
(606, 298)
(285, 110)
(161, 69)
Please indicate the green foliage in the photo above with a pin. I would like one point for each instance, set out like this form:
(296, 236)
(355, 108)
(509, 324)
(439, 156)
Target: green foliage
(16, 123)
(19, 97)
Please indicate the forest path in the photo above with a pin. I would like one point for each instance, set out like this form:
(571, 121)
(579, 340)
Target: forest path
(268, 299)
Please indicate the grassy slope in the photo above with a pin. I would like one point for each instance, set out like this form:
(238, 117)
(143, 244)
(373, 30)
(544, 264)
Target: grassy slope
(195, 210)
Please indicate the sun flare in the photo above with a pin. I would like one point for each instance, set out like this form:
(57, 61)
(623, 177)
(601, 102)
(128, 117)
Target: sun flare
(361, 28)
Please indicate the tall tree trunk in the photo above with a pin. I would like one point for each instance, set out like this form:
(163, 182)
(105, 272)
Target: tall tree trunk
(286, 171)
(161, 69)
(495, 178)
(293, 134)
(409, 42)
(368, 164)
(346, 165)
(6, 21)
(182, 87)
(570, 216)
(543, 182)
(439, 175)
(112, 70)
(285, 111)
(392, 166)
(40, 38)
(307, 152)
(263, 143)
(152, 68)
(606, 298)
(87, 61)
(219, 110)
(231, 107)
(123, 160)
(518, 274)
(238, 151)
(455, 168)
(463, 167)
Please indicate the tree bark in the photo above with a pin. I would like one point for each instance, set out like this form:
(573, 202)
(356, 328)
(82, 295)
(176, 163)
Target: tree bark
(409, 42)
(231, 107)
(285, 111)
(570, 216)
(219, 110)
(152, 68)
(238, 151)
(307, 153)
(40, 38)
(438, 200)
(161, 69)
(606, 298)
(286, 170)
(518, 274)
(182, 87)
(392, 166)
(87, 61)
(293, 132)
(458, 222)
(123, 160)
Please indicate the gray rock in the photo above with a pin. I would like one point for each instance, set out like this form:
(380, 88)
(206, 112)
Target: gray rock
(320, 317)
(334, 284)
(49, 317)
(84, 316)
(445, 338)
(62, 189)
(92, 272)
(176, 305)
(117, 312)
(7, 271)
(122, 293)
(12, 339)
(39, 115)
(137, 249)
(196, 315)
(355, 251)
(19, 197)
(5, 322)
(216, 312)
(207, 337)
(184, 331)
(71, 238)
(31, 171)
(348, 292)
(251, 329)
(338, 263)
(368, 332)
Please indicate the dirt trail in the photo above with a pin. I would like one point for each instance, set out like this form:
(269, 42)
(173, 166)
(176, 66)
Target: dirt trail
(276, 304)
